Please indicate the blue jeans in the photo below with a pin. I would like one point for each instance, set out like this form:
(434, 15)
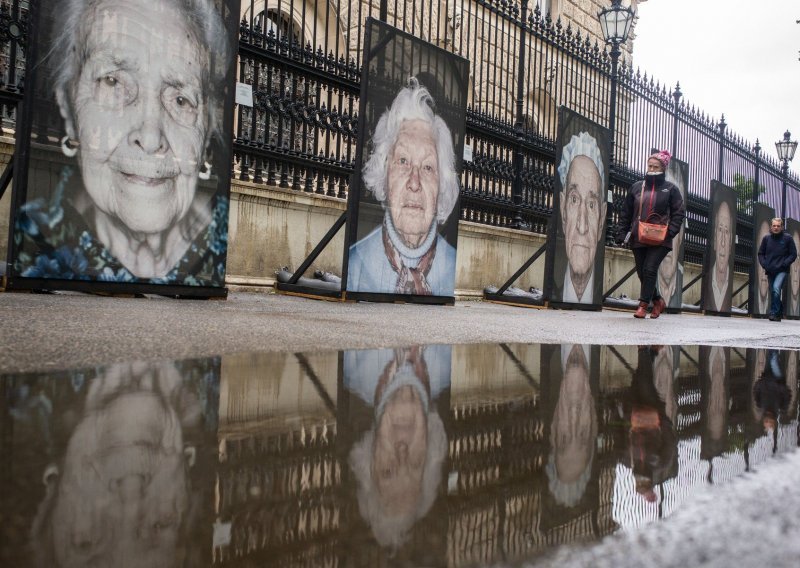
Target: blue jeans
(775, 288)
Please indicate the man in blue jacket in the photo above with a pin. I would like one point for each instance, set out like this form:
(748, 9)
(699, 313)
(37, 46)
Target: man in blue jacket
(775, 255)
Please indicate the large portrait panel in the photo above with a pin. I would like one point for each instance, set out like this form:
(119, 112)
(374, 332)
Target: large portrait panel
(576, 233)
(791, 306)
(720, 248)
(402, 225)
(570, 389)
(759, 301)
(123, 156)
(670, 272)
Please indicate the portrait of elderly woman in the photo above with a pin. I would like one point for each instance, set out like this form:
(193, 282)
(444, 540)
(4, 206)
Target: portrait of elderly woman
(124, 446)
(718, 280)
(412, 172)
(574, 263)
(397, 463)
(133, 186)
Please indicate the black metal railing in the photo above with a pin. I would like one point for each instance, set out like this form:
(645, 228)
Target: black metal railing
(303, 59)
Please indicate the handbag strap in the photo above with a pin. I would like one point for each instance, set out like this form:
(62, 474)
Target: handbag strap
(641, 200)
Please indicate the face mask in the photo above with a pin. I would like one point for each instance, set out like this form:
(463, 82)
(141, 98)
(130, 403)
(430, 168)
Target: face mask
(655, 176)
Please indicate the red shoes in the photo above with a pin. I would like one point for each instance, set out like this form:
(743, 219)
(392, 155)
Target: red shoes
(641, 311)
(658, 307)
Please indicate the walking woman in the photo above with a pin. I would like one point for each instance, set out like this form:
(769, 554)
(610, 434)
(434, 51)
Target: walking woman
(651, 217)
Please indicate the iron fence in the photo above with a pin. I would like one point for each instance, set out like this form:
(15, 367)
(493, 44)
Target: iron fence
(303, 59)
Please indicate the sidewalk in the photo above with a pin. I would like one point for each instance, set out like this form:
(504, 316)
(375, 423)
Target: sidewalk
(63, 330)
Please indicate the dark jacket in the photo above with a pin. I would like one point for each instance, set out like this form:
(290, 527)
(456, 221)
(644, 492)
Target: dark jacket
(667, 209)
(776, 253)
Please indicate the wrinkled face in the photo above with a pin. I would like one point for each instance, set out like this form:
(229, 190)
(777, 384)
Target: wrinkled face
(123, 496)
(722, 236)
(413, 181)
(574, 421)
(761, 274)
(140, 113)
(582, 214)
(401, 445)
(717, 401)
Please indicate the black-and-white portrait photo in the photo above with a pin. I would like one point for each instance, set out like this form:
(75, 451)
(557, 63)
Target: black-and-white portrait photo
(670, 271)
(403, 240)
(129, 169)
(718, 277)
(576, 252)
(759, 287)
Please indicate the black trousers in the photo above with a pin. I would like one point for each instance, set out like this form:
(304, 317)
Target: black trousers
(648, 259)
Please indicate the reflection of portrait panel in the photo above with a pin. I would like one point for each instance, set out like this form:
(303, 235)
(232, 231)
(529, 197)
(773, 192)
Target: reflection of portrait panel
(576, 234)
(670, 272)
(718, 266)
(125, 454)
(792, 290)
(570, 383)
(759, 301)
(403, 239)
(714, 379)
(128, 178)
(399, 443)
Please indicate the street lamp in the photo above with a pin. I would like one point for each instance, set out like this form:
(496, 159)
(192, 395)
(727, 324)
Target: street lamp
(615, 23)
(786, 149)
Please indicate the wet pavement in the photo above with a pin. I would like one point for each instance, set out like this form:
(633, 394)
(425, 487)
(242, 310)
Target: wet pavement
(429, 455)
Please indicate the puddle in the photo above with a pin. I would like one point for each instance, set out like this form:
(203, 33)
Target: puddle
(424, 456)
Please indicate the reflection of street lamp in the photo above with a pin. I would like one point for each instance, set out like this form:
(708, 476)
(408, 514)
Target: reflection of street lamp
(785, 148)
(616, 24)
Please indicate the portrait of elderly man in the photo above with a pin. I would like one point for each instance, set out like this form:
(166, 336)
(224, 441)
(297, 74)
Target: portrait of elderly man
(398, 462)
(140, 194)
(719, 283)
(793, 308)
(411, 172)
(573, 428)
(716, 400)
(670, 271)
(762, 294)
(582, 209)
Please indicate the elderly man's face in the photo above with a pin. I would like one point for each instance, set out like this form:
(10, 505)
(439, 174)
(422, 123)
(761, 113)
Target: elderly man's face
(722, 236)
(574, 421)
(718, 402)
(401, 444)
(140, 113)
(582, 211)
(763, 281)
(413, 181)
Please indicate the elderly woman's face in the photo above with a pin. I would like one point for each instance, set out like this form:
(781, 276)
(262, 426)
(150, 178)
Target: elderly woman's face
(140, 113)
(413, 181)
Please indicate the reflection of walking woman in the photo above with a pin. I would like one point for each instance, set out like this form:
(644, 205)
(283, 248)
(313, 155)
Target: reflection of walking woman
(654, 200)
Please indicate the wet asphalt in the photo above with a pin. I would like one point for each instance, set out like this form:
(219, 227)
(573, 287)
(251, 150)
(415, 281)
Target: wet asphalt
(68, 329)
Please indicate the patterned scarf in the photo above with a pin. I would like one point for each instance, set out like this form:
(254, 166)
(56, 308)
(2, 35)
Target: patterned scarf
(409, 280)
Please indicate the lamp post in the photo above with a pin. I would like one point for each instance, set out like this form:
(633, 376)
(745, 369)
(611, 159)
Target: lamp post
(786, 149)
(615, 23)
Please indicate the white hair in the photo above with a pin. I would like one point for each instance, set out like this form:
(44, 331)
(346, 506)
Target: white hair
(203, 21)
(413, 102)
(582, 144)
(391, 529)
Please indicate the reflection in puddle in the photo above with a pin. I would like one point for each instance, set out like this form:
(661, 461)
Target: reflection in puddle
(428, 455)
